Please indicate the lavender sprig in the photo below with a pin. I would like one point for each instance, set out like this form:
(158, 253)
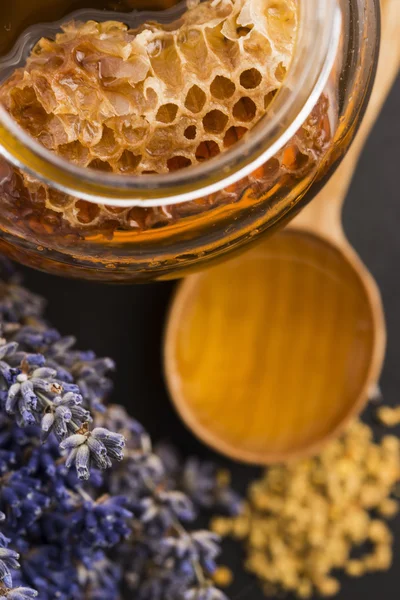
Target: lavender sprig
(171, 563)
(9, 560)
(32, 393)
(81, 539)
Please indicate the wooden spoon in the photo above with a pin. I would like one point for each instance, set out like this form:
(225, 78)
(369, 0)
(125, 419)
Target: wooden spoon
(269, 355)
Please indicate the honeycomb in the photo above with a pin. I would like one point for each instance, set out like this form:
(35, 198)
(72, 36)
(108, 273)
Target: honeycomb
(153, 99)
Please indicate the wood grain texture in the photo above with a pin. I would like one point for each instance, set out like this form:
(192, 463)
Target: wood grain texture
(269, 355)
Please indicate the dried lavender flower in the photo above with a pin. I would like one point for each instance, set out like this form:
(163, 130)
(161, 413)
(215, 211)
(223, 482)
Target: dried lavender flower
(200, 480)
(76, 544)
(92, 447)
(31, 392)
(8, 560)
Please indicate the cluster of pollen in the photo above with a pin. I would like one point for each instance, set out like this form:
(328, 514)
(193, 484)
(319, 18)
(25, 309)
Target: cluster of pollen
(307, 521)
(154, 99)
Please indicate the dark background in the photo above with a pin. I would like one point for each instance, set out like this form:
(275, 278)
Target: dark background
(127, 323)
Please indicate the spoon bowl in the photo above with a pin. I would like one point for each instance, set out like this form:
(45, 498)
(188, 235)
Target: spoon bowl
(271, 354)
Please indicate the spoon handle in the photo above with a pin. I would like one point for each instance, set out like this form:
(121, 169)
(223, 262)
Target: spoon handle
(323, 214)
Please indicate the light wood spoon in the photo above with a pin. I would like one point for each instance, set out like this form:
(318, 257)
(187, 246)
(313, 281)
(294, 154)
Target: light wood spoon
(269, 355)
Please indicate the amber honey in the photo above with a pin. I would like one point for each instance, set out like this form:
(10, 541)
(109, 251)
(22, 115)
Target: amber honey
(267, 354)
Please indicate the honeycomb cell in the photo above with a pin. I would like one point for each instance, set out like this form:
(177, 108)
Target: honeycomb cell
(100, 165)
(167, 64)
(250, 79)
(244, 109)
(207, 149)
(151, 99)
(133, 135)
(280, 72)
(128, 162)
(162, 143)
(190, 132)
(234, 134)
(87, 212)
(116, 210)
(89, 133)
(107, 147)
(271, 168)
(268, 98)
(75, 153)
(178, 162)
(195, 99)
(167, 113)
(222, 88)
(243, 31)
(56, 199)
(215, 121)
(293, 159)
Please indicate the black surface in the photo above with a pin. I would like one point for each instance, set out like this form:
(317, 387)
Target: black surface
(126, 323)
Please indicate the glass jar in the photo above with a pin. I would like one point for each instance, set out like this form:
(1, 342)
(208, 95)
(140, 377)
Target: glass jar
(149, 227)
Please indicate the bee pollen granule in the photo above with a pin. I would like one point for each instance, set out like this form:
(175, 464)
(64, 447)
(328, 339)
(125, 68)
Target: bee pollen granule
(305, 519)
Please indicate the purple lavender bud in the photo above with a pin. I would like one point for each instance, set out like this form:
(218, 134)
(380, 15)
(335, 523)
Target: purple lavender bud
(170, 459)
(21, 498)
(176, 547)
(7, 460)
(63, 344)
(99, 451)
(28, 394)
(25, 416)
(83, 356)
(47, 422)
(113, 442)
(44, 373)
(8, 349)
(12, 398)
(35, 338)
(207, 549)
(179, 504)
(71, 458)
(82, 461)
(228, 500)
(108, 437)
(80, 415)
(62, 417)
(8, 560)
(50, 387)
(97, 447)
(9, 373)
(73, 441)
(71, 399)
(206, 542)
(71, 387)
(36, 360)
(199, 481)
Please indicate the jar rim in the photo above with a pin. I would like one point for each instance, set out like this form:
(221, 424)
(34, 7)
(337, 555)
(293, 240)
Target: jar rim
(319, 31)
